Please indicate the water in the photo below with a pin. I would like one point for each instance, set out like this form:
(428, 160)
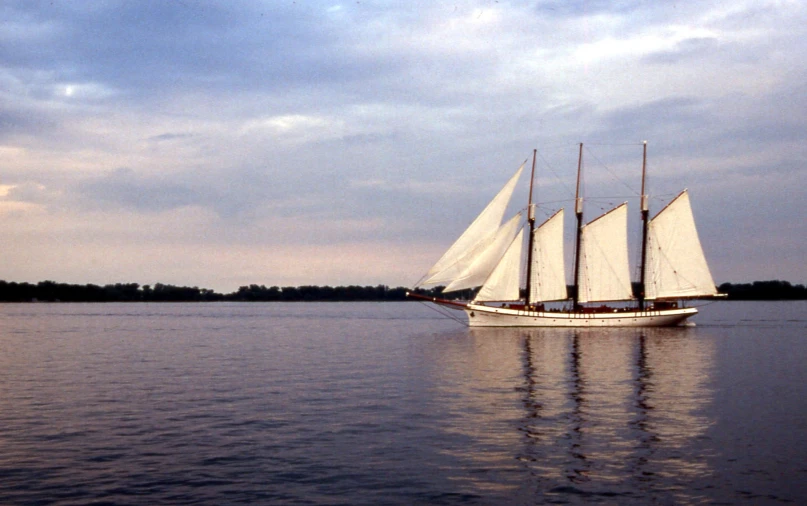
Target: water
(387, 403)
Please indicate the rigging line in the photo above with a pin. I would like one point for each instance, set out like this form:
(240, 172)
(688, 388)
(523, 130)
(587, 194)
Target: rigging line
(444, 313)
(545, 212)
(614, 144)
(662, 196)
(552, 170)
(545, 202)
(558, 145)
(421, 280)
(613, 197)
(678, 276)
(611, 172)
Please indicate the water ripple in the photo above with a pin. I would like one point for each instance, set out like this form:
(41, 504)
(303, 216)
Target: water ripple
(374, 404)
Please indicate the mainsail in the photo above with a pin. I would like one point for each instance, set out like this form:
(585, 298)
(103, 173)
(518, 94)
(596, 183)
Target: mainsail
(504, 282)
(605, 274)
(474, 240)
(676, 266)
(548, 273)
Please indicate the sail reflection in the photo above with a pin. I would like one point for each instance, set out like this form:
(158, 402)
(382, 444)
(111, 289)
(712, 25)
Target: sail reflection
(470, 379)
(673, 395)
(603, 410)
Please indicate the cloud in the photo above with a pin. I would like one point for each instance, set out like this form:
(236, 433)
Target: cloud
(327, 125)
(687, 49)
(124, 188)
(169, 136)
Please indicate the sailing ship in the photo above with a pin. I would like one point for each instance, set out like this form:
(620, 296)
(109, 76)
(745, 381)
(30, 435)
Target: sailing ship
(489, 255)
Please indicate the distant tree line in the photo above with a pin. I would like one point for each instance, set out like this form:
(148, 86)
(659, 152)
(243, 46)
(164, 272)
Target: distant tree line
(309, 293)
(51, 291)
(764, 290)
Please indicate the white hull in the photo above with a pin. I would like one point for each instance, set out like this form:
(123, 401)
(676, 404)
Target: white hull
(488, 316)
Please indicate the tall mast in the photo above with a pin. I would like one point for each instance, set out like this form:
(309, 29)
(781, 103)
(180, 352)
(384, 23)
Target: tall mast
(578, 211)
(645, 213)
(531, 219)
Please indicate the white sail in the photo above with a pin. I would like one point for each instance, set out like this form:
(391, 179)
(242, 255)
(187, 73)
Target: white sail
(676, 266)
(548, 275)
(475, 238)
(604, 270)
(504, 282)
(478, 269)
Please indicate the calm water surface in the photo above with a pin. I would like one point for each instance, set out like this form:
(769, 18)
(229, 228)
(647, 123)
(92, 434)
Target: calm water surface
(388, 403)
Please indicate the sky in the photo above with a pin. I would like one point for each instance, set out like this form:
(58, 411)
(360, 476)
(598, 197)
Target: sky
(219, 144)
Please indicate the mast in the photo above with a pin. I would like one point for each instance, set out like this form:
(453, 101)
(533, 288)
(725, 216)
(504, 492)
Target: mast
(645, 213)
(531, 219)
(578, 211)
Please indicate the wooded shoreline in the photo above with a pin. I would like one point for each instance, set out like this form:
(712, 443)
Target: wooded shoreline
(51, 291)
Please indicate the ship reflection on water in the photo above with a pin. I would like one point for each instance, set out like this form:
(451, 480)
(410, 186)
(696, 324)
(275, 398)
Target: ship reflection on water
(616, 413)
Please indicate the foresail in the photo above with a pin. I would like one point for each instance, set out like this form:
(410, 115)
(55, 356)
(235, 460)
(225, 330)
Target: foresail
(474, 239)
(604, 270)
(503, 284)
(479, 267)
(548, 273)
(676, 266)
